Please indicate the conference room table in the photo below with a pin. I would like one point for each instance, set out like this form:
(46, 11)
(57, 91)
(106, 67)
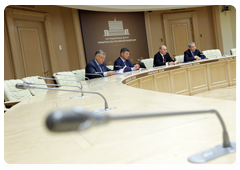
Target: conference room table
(153, 140)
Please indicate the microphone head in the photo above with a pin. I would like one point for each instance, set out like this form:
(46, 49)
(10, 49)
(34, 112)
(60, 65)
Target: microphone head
(40, 77)
(75, 119)
(68, 120)
(22, 86)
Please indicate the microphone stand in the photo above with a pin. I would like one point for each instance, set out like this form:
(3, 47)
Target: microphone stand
(84, 78)
(30, 83)
(78, 119)
(27, 86)
(61, 79)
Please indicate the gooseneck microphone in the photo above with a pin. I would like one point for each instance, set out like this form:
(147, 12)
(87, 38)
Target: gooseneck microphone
(78, 119)
(31, 83)
(27, 86)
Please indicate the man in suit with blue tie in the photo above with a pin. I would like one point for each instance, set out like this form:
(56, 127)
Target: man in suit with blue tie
(97, 66)
(163, 57)
(192, 53)
(123, 61)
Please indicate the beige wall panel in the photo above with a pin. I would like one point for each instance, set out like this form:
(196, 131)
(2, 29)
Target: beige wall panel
(198, 79)
(59, 37)
(70, 39)
(205, 28)
(232, 72)
(8, 63)
(180, 81)
(29, 42)
(147, 83)
(163, 82)
(217, 73)
(134, 83)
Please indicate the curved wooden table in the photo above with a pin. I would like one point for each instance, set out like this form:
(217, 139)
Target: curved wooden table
(167, 140)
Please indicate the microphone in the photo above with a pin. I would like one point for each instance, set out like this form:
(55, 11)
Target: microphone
(26, 86)
(61, 79)
(85, 78)
(31, 83)
(78, 119)
(96, 74)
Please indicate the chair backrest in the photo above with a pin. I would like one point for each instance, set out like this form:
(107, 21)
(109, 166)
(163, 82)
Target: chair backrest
(80, 74)
(214, 53)
(179, 58)
(110, 67)
(148, 62)
(67, 75)
(233, 51)
(34, 79)
(11, 93)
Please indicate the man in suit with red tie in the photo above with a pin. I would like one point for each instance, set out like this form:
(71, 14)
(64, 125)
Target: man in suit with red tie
(163, 57)
(123, 61)
(97, 66)
(192, 53)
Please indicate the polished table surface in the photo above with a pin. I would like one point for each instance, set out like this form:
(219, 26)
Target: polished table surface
(161, 140)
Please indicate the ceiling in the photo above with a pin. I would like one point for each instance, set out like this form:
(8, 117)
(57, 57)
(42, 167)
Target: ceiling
(129, 8)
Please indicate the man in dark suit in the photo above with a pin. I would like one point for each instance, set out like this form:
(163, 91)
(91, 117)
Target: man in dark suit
(192, 53)
(97, 66)
(163, 57)
(123, 61)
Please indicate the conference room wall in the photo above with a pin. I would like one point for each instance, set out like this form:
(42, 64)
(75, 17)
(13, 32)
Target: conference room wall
(156, 35)
(62, 23)
(234, 24)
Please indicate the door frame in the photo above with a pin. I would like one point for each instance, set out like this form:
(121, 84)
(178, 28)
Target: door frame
(12, 14)
(176, 16)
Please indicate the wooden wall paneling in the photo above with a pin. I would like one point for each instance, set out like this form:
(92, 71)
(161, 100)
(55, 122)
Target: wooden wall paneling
(13, 44)
(232, 72)
(149, 35)
(198, 79)
(217, 28)
(79, 40)
(218, 75)
(163, 82)
(50, 41)
(8, 61)
(180, 83)
(195, 30)
(30, 44)
(134, 83)
(147, 83)
(21, 15)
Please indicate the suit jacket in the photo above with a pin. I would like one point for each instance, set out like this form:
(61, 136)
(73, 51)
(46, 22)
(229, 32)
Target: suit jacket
(189, 57)
(158, 60)
(92, 67)
(121, 64)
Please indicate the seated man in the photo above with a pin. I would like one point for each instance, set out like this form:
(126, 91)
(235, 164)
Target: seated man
(163, 57)
(192, 53)
(97, 66)
(123, 61)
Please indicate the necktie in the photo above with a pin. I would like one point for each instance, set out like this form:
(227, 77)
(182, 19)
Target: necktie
(125, 62)
(164, 59)
(193, 54)
(100, 68)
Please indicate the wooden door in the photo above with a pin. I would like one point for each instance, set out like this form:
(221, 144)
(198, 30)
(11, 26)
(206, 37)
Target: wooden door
(181, 34)
(180, 29)
(31, 43)
(32, 47)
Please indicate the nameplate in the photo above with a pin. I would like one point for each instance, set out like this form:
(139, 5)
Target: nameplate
(130, 79)
(225, 59)
(155, 72)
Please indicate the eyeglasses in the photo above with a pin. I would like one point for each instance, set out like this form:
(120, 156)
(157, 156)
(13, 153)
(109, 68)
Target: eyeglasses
(102, 58)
